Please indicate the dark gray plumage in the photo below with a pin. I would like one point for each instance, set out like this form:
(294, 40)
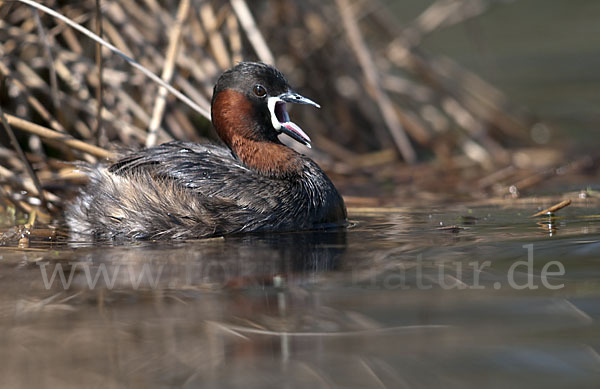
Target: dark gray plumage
(184, 190)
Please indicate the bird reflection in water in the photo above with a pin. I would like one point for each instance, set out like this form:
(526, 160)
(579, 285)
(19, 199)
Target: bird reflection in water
(234, 261)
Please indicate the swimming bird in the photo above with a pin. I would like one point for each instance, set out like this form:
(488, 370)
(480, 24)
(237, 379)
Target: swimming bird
(183, 190)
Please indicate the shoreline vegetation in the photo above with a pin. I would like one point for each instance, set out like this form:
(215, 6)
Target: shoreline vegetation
(396, 118)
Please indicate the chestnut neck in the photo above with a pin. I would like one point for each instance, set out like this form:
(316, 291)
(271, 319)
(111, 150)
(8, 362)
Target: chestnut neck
(239, 125)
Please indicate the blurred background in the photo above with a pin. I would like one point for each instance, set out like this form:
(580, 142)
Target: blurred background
(480, 98)
(543, 55)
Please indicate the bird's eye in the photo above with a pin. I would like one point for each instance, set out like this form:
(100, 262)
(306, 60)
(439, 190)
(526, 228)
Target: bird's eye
(260, 90)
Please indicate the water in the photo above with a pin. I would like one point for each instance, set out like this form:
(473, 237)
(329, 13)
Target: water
(394, 301)
(542, 53)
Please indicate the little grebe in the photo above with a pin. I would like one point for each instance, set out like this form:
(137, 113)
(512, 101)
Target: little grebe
(187, 190)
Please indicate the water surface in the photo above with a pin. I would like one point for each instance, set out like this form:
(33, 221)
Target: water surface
(405, 298)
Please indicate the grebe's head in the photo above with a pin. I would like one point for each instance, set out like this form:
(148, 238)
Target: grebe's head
(249, 101)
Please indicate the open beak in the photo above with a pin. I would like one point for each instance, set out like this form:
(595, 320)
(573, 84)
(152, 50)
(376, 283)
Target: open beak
(281, 120)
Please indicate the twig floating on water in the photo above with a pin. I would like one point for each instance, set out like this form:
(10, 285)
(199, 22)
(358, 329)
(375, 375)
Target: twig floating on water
(553, 208)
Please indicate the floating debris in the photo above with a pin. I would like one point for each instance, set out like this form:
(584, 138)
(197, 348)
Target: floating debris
(454, 229)
(553, 209)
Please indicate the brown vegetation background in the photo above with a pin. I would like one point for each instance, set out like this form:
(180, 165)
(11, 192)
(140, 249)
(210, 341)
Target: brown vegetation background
(397, 120)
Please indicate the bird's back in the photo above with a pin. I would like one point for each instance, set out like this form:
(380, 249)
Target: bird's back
(186, 190)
